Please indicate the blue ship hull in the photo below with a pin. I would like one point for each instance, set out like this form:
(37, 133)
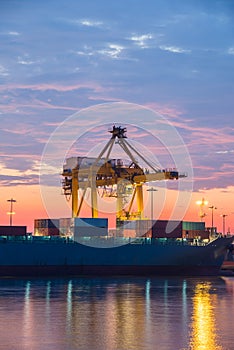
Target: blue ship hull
(60, 257)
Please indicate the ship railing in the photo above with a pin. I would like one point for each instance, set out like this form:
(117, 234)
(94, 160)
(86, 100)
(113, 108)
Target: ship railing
(115, 241)
(31, 238)
(104, 240)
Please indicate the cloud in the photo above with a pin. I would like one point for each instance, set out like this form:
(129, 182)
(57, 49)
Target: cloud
(87, 51)
(85, 22)
(168, 111)
(113, 51)
(30, 99)
(90, 23)
(11, 33)
(159, 75)
(110, 50)
(225, 151)
(26, 61)
(25, 171)
(231, 51)
(26, 108)
(7, 180)
(141, 40)
(3, 71)
(228, 190)
(53, 86)
(174, 49)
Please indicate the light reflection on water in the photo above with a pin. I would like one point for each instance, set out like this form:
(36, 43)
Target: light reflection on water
(117, 313)
(204, 330)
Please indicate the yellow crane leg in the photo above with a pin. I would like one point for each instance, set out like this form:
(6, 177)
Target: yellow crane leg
(119, 208)
(131, 202)
(81, 202)
(120, 201)
(94, 204)
(139, 194)
(74, 194)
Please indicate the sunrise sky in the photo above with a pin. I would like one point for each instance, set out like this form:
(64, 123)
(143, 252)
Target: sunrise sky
(70, 69)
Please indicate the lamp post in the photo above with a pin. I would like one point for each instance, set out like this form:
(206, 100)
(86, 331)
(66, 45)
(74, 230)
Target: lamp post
(152, 190)
(11, 209)
(202, 203)
(212, 207)
(224, 216)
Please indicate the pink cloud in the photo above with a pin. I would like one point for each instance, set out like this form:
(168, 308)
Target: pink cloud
(44, 87)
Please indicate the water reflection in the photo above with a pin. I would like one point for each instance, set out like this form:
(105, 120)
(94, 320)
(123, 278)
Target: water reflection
(69, 306)
(115, 313)
(27, 311)
(204, 332)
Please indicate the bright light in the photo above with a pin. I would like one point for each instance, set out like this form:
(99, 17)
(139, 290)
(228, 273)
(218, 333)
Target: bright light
(202, 202)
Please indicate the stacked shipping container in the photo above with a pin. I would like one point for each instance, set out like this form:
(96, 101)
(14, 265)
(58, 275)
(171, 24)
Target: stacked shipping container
(46, 227)
(13, 231)
(152, 228)
(163, 229)
(83, 227)
(96, 227)
(168, 229)
(194, 230)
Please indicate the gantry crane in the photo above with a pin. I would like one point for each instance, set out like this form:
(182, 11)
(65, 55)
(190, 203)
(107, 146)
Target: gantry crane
(81, 173)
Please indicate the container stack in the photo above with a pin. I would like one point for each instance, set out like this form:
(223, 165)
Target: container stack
(143, 228)
(46, 227)
(125, 228)
(194, 230)
(167, 229)
(83, 227)
(13, 230)
(153, 228)
(66, 227)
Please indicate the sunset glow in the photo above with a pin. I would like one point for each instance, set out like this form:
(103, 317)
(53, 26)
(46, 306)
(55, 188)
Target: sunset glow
(64, 61)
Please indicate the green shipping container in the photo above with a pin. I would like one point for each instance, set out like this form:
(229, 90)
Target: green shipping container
(194, 226)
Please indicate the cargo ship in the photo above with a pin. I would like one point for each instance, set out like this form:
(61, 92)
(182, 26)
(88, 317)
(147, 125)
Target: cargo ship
(84, 246)
(60, 256)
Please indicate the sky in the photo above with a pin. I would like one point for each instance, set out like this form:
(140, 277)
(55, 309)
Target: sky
(62, 61)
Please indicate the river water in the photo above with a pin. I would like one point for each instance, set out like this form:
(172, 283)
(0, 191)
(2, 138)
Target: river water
(117, 313)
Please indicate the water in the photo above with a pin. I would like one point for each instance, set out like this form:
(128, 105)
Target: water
(117, 313)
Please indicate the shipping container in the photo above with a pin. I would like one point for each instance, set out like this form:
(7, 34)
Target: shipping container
(65, 222)
(193, 225)
(167, 229)
(143, 228)
(91, 231)
(87, 222)
(66, 231)
(83, 227)
(195, 230)
(153, 228)
(123, 232)
(46, 231)
(13, 230)
(46, 223)
(196, 234)
(83, 222)
(130, 224)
